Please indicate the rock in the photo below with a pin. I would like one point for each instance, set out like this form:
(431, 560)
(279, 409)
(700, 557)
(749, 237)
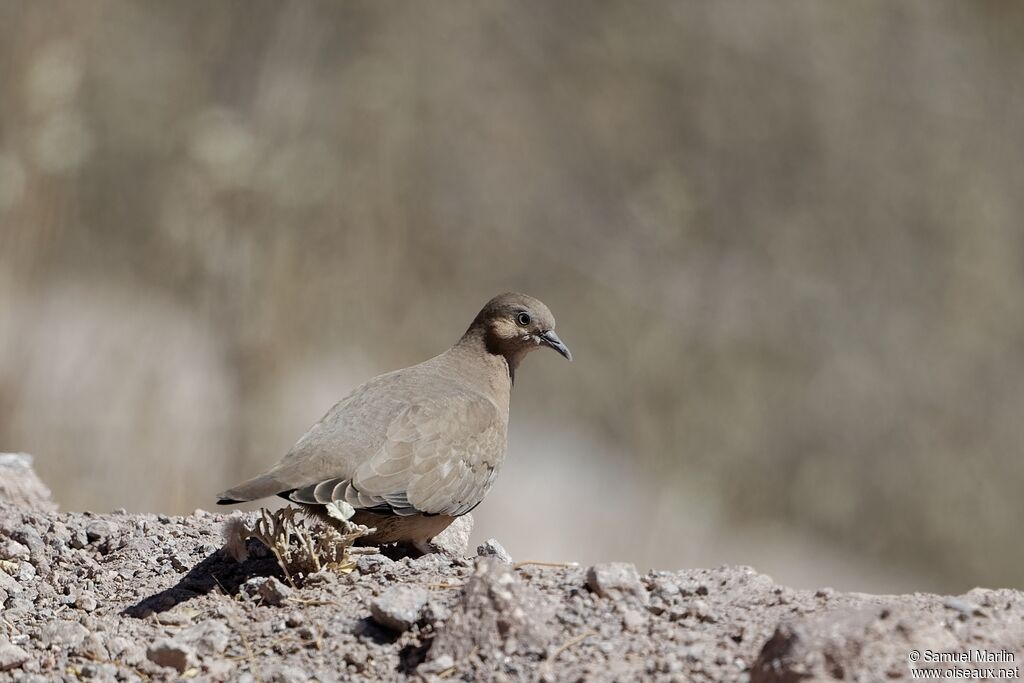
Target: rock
(616, 581)
(436, 612)
(100, 531)
(371, 564)
(491, 548)
(858, 644)
(208, 637)
(399, 607)
(633, 620)
(26, 572)
(11, 656)
(171, 653)
(79, 539)
(436, 666)
(454, 541)
(267, 589)
(498, 615)
(437, 562)
(9, 584)
(20, 485)
(62, 634)
(12, 550)
(85, 602)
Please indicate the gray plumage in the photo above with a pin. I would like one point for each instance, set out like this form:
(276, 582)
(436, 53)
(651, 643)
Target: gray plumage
(413, 449)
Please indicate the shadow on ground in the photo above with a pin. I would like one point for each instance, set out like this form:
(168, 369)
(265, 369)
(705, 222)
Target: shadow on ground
(217, 572)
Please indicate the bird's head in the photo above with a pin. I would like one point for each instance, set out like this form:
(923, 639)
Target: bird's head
(514, 324)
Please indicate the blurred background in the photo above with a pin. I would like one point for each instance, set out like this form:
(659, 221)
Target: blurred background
(785, 242)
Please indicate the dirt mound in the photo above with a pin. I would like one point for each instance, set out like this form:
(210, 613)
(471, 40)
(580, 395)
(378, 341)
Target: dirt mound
(121, 597)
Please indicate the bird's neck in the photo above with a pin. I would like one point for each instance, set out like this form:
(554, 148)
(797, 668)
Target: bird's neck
(483, 348)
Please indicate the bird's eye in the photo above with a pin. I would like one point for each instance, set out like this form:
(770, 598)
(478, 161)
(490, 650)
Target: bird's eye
(523, 319)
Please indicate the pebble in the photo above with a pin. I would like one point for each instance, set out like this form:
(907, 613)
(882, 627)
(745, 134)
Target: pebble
(454, 541)
(79, 539)
(62, 634)
(399, 607)
(99, 530)
(437, 666)
(85, 602)
(12, 550)
(616, 581)
(171, 653)
(633, 620)
(491, 548)
(11, 656)
(208, 637)
(9, 584)
(267, 589)
(371, 564)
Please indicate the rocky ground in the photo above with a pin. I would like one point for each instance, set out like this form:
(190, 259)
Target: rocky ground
(153, 597)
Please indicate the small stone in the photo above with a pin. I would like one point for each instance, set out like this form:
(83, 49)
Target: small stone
(432, 561)
(118, 645)
(399, 607)
(371, 564)
(436, 612)
(85, 602)
(12, 550)
(321, 578)
(633, 620)
(10, 584)
(26, 572)
(11, 656)
(208, 637)
(99, 530)
(454, 541)
(437, 666)
(268, 589)
(170, 653)
(62, 634)
(79, 539)
(491, 548)
(20, 485)
(616, 581)
(94, 647)
(964, 607)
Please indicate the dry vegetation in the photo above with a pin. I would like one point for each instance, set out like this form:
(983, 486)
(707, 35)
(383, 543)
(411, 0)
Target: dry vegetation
(301, 544)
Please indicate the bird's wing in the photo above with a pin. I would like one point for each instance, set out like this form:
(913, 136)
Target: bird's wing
(439, 456)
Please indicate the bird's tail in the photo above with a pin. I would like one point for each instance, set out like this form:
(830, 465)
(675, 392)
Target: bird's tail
(258, 487)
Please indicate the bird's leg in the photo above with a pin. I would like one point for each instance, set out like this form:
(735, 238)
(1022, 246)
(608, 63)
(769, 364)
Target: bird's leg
(424, 546)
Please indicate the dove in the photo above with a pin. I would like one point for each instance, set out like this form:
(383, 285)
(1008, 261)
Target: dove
(413, 449)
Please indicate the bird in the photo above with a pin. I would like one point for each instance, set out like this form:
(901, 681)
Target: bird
(413, 449)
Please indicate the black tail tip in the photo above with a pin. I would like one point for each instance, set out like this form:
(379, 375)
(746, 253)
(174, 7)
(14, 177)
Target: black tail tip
(228, 501)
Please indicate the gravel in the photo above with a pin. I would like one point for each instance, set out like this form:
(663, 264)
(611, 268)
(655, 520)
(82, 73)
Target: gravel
(11, 656)
(617, 581)
(133, 597)
(168, 652)
(399, 607)
(491, 548)
(267, 589)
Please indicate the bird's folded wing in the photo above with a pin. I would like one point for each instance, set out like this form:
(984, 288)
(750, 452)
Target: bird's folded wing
(439, 456)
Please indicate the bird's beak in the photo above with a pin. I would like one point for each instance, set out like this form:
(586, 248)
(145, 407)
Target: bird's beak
(551, 339)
